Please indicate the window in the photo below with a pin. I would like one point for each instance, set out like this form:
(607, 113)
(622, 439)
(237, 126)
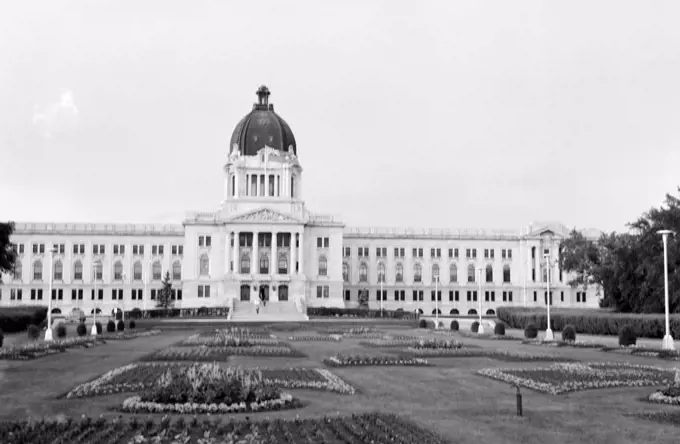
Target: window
(157, 250)
(417, 295)
(137, 271)
(363, 251)
(119, 249)
(506, 273)
(399, 274)
(283, 263)
(138, 250)
(153, 293)
(381, 272)
(417, 273)
(98, 271)
(117, 271)
(381, 252)
(58, 272)
(347, 251)
(117, 294)
(348, 295)
(322, 291)
(264, 263)
(177, 250)
(453, 273)
(204, 291)
(176, 271)
(363, 272)
(17, 270)
(545, 297)
(380, 293)
(323, 266)
(204, 241)
(561, 296)
(77, 294)
(535, 296)
(100, 294)
(245, 263)
(471, 273)
(204, 265)
(98, 249)
(38, 248)
(435, 272)
(78, 271)
(581, 296)
(489, 273)
(454, 295)
(506, 254)
(345, 272)
(156, 272)
(36, 294)
(37, 271)
(322, 242)
(137, 294)
(15, 294)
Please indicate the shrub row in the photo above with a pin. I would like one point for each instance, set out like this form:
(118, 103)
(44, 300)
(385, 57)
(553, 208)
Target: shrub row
(359, 313)
(590, 322)
(16, 319)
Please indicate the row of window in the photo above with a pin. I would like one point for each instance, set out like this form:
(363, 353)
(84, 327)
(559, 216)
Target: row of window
(264, 240)
(417, 272)
(117, 294)
(99, 249)
(58, 271)
(256, 187)
(264, 264)
(435, 253)
(322, 242)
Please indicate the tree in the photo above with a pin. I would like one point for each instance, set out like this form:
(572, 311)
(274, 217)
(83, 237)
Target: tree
(8, 254)
(164, 297)
(580, 256)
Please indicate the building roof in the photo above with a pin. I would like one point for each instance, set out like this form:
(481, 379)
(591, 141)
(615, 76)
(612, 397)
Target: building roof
(262, 127)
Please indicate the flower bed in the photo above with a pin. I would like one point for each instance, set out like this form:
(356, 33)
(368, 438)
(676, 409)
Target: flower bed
(226, 340)
(208, 388)
(412, 342)
(564, 378)
(557, 343)
(489, 336)
(336, 338)
(139, 376)
(131, 334)
(354, 360)
(668, 355)
(209, 354)
(502, 355)
(353, 331)
(41, 349)
(238, 331)
(367, 427)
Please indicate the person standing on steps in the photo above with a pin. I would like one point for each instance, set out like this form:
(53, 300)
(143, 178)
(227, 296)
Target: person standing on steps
(256, 301)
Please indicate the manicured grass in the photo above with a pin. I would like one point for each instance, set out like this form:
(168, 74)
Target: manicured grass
(448, 397)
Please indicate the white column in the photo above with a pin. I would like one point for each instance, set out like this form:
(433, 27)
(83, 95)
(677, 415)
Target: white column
(293, 254)
(302, 252)
(274, 261)
(237, 269)
(255, 263)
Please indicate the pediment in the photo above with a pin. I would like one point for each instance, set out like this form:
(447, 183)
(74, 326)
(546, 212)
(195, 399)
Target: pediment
(264, 215)
(550, 230)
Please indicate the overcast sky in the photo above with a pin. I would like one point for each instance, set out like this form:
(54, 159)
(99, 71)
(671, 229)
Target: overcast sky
(426, 114)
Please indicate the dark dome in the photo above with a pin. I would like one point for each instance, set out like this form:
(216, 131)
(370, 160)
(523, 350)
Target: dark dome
(262, 126)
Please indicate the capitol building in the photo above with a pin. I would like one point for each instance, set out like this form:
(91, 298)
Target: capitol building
(264, 243)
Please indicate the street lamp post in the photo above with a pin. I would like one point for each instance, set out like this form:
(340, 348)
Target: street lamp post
(48, 332)
(548, 332)
(93, 332)
(479, 298)
(667, 343)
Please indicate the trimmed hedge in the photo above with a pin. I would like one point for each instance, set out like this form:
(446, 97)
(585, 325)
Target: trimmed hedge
(474, 328)
(359, 313)
(16, 319)
(589, 321)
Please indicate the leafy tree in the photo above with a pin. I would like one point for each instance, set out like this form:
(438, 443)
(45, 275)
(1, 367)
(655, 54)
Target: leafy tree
(164, 297)
(7, 253)
(580, 256)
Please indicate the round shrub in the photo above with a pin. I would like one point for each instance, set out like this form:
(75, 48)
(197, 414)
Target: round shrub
(454, 325)
(33, 332)
(531, 331)
(83, 319)
(499, 329)
(474, 328)
(627, 336)
(99, 327)
(422, 323)
(121, 325)
(132, 325)
(81, 329)
(61, 331)
(111, 326)
(569, 333)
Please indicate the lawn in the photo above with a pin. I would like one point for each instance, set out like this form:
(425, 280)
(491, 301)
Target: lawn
(447, 397)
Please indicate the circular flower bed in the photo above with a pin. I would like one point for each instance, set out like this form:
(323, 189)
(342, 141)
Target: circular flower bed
(353, 360)
(208, 388)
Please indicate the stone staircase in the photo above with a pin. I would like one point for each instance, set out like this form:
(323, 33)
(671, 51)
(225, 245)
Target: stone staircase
(274, 312)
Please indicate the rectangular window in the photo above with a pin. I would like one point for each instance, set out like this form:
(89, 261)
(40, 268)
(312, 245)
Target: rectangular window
(493, 296)
(415, 252)
(486, 296)
(486, 253)
(535, 296)
(153, 292)
(474, 296)
(348, 295)
(469, 296)
(319, 291)
(420, 252)
(561, 296)
(509, 296)
(505, 293)
(415, 295)
(432, 253)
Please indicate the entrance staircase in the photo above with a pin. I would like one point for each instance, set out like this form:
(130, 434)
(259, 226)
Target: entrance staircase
(275, 311)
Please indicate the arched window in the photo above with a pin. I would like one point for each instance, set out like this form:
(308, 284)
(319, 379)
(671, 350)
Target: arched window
(245, 263)
(435, 272)
(454, 311)
(78, 271)
(58, 271)
(98, 271)
(233, 185)
(176, 271)
(363, 272)
(381, 272)
(37, 271)
(345, 272)
(472, 311)
(117, 271)
(490, 312)
(264, 263)
(137, 271)
(417, 273)
(471, 273)
(453, 273)
(292, 187)
(399, 275)
(283, 263)
(204, 265)
(17, 272)
(489, 273)
(436, 311)
(506, 273)
(323, 266)
(156, 271)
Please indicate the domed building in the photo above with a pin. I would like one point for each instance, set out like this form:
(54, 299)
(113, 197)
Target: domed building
(263, 244)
